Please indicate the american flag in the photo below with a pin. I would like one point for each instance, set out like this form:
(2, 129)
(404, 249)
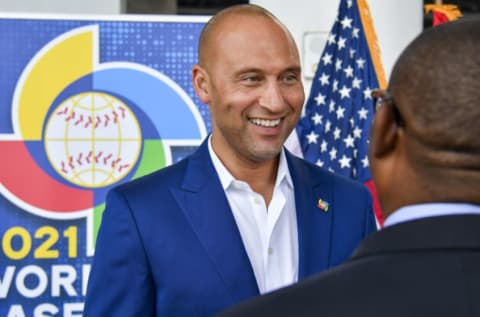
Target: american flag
(334, 131)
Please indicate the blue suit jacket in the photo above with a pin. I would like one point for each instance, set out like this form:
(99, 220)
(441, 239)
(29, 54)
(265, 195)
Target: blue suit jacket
(169, 245)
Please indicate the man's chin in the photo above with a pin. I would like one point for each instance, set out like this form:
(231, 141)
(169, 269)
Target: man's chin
(266, 154)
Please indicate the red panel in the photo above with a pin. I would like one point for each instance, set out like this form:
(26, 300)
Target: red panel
(21, 175)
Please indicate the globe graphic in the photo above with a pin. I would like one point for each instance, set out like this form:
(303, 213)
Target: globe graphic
(92, 139)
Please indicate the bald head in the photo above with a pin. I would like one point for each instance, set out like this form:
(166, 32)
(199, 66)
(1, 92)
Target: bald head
(249, 75)
(434, 156)
(215, 26)
(436, 84)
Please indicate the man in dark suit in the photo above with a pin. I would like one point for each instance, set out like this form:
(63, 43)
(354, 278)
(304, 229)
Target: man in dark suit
(240, 216)
(425, 160)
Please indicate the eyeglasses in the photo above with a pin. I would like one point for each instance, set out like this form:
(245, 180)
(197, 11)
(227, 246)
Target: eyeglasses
(383, 96)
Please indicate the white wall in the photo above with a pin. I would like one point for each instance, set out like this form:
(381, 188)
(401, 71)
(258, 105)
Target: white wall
(63, 6)
(396, 22)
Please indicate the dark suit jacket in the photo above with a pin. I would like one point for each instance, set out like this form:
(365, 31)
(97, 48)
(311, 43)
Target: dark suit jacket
(428, 267)
(169, 245)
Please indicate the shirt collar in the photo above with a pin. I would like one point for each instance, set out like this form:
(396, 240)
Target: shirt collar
(414, 212)
(226, 178)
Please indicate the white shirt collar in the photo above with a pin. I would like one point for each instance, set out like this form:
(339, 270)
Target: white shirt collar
(226, 178)
(414, 212)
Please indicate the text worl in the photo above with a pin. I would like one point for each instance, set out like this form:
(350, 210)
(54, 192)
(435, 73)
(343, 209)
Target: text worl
(32, 281)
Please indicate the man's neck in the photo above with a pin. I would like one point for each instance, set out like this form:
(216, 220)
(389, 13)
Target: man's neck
(260, 177)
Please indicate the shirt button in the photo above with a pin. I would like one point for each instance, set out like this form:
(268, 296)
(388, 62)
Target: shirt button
(257, 200)
(270, 251)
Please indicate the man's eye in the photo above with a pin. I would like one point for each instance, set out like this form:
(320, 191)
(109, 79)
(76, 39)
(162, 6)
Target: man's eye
(251, 79)
(290, 78)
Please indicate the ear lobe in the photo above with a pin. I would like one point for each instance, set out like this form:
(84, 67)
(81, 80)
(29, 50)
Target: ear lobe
(200, 83)
(384, 132)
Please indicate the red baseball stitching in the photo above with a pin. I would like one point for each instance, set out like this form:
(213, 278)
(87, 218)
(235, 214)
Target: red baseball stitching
(121, 167)
(115, 116)
(107, 120)
(89, 156)
(97, 157)
(116, 162)
(79, 159)
(62, 112)
(71, 116)
(63, 167)
(95, 121)
(70, 162)
(73, 163)
(79, 120)
(105, 160)
(122, 110)
(90, 121)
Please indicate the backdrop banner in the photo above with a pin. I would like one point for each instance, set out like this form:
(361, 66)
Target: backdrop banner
(86, 103)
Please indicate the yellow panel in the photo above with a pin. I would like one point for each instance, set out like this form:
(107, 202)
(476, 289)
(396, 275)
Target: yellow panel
(63, 63)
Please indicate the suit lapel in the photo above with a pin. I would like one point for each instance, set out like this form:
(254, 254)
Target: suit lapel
(205, 205)
(314, 224)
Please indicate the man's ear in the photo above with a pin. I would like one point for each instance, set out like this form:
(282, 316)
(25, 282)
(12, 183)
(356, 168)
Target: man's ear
(200, 83)
(384, 134)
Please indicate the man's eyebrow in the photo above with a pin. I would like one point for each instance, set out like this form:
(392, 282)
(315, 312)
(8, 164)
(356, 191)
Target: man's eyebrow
(248, 70)
(293, 69)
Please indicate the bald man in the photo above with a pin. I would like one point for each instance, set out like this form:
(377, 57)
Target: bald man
(240, 216)
(425, 160)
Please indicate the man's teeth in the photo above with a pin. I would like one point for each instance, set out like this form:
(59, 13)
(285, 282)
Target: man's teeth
(265, 123)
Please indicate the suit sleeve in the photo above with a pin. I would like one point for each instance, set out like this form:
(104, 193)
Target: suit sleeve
(120, 282)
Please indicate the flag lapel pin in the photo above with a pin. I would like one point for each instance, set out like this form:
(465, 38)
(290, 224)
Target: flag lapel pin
(323, 205)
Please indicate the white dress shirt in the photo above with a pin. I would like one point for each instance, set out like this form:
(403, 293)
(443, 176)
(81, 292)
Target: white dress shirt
(269, 233)
(414, 212)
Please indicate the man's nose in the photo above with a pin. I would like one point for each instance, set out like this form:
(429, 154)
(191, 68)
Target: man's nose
(273, 97)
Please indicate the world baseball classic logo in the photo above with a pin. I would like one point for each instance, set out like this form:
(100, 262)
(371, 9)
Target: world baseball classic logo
(87, 105)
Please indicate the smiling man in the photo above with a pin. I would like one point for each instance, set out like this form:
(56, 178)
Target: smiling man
(241, 216)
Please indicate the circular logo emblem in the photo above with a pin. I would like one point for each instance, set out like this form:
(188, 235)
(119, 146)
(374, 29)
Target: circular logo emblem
(92, 139)
(95, 127)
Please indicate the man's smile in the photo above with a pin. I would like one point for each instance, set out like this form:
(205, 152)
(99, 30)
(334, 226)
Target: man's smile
(265, 122)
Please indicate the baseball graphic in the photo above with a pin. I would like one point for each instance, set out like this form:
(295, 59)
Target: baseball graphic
(92, 139)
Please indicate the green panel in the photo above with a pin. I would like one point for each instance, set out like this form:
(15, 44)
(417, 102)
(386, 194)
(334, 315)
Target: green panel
(97, 219)
(153, 158)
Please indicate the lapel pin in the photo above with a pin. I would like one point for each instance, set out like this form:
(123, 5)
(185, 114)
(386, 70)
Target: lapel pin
(323, 205)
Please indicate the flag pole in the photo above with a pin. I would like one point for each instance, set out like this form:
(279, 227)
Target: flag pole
(372, 42)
